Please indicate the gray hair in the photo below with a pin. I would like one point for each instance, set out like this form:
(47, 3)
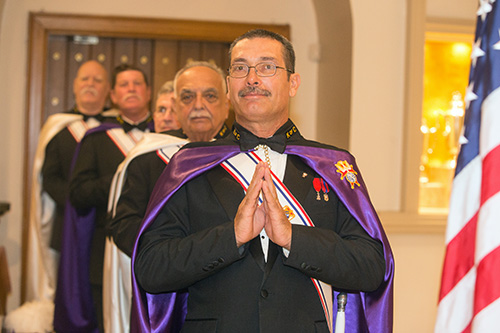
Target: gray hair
(166, 88)
(192, 64)
(288, 52)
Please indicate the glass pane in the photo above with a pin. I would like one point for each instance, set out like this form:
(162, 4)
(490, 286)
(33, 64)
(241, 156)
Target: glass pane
(446, 75)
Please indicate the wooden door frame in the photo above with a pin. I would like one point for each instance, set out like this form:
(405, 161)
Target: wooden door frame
(41, 25)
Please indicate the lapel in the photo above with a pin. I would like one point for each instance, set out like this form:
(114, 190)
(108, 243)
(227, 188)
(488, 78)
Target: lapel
(298, 178)
(229, 196)
(222, 185)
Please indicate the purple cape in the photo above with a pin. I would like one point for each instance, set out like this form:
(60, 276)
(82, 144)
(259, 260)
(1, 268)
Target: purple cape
(74, 309)
(365, 312)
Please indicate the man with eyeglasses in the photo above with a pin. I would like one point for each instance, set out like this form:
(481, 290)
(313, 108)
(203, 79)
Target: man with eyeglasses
(258, 232)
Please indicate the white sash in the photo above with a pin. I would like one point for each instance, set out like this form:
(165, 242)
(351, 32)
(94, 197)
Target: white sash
(78, 129)
(125, 141)
(117, 284)
(240, 168)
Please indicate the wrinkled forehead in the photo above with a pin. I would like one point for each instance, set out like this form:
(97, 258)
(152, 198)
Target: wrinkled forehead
(92, 69)
(165, 98)
(199, 79)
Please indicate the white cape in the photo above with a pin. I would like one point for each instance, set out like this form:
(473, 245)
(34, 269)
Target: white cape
(117, 285)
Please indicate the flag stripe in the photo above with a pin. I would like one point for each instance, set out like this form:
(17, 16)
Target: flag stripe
(487, 281)
(490, 184)
(455, 310)
(488, 228)
(462, 210)
(488, 318)
(459, 257)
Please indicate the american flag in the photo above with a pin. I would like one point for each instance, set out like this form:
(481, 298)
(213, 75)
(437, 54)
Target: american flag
(469, 299)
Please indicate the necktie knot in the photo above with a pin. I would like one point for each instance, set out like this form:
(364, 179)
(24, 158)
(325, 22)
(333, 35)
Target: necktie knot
(128, 127)
(249, 141)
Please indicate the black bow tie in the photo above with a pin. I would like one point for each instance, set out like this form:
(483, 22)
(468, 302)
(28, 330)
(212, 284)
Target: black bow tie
(249, 141)
(128, 127)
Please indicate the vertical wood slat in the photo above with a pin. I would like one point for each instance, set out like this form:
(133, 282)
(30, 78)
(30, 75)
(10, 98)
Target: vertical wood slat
(55, 92)
(165, 64)
(225, 57)
(102, 52)
(123, 51)
(188, 51)
(214, 52)
(144, 61)
(144, 57)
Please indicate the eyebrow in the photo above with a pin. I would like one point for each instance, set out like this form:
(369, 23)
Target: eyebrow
(190, 91)
(260, 59)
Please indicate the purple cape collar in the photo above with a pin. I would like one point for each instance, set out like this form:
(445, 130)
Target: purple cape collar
(371, 312)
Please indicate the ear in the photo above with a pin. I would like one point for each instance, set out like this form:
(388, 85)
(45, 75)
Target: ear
(294, 84)
(227, 86)
(227, 106)
(112, 96)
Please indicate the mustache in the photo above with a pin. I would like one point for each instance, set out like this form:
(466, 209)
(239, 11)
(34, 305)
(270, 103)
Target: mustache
(253, 90)
(127, 96)
(199, 114)
(91, 90)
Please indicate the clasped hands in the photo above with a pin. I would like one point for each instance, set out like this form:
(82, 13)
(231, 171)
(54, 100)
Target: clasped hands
(251, 217)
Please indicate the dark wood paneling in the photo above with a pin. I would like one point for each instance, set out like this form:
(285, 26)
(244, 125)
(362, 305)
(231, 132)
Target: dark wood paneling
(188, 51)
(144, 57)
(123, 51)
(165, 64)
(102, 52)
(55, 91)
(214, 52)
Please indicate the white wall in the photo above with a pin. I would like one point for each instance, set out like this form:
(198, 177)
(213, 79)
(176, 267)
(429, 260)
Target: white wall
(378, 97)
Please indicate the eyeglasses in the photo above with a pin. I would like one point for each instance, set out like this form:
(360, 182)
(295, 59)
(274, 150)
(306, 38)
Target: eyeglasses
(264, 69)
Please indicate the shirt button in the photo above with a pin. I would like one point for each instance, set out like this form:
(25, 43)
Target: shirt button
(264, 293)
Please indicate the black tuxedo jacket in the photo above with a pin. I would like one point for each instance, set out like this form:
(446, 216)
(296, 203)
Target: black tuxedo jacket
(142, 174)
(89, 187)
(192, 245)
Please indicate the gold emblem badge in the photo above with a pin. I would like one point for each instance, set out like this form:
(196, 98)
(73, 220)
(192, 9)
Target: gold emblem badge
(289, 213)
(347, 172)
